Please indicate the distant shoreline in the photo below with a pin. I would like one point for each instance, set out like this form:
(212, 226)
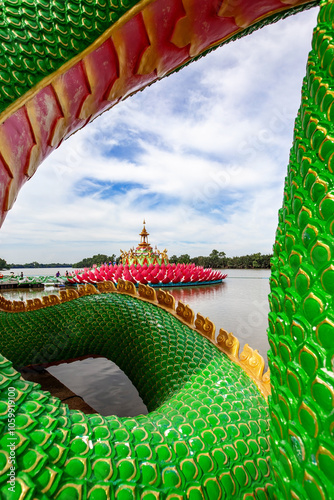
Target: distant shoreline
(40, 266)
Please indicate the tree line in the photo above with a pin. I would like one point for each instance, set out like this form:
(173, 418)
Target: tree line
(219, 260)
(216, 260)
(98, 259)
(30, 265)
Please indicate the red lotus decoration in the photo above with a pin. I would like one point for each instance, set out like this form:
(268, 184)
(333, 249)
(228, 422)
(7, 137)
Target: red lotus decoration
(154, 275)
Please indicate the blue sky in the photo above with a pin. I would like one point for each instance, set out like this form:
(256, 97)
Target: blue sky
(201, 155)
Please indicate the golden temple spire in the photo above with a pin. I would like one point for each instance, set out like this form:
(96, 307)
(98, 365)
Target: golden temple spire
(144, 237)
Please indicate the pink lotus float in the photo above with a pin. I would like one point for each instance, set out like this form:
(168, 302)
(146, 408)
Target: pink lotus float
(154, 275)
(149, 266)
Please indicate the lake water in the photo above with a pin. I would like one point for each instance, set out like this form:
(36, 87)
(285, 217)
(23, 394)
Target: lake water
(239, 305)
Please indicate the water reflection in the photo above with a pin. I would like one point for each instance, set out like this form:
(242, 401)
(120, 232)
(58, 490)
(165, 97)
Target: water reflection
(239, 305)
(102, 385)
(206, 292)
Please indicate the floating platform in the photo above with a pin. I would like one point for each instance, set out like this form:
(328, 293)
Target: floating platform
(39, 282)
(14, 285)
(30, 285)
(8, 285)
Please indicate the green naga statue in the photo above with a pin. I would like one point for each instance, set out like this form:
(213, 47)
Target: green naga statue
(216, 428)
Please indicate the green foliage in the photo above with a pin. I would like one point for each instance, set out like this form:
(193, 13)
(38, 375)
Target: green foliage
(3, 264)
(98, 259)
(36, 265)
(253, 261)
(184, 259)
(218, 260)
(173, 259)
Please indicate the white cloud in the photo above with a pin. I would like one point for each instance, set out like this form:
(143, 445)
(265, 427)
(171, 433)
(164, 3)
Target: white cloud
(208, 146)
